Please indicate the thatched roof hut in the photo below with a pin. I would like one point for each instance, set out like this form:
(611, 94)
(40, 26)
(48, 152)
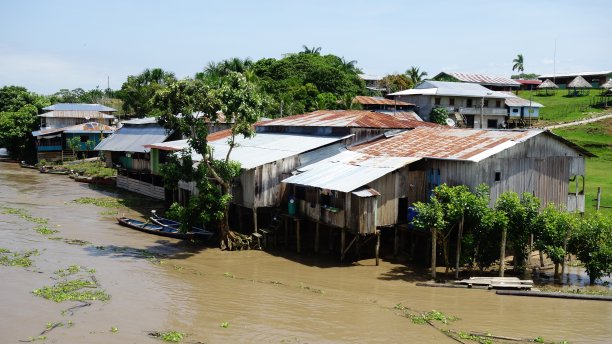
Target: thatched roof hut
(607, 85)
(547, 87)
(578, 86)
(548, 84)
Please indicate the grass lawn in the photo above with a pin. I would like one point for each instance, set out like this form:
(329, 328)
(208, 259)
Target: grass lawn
(561, 108)
(597, 138)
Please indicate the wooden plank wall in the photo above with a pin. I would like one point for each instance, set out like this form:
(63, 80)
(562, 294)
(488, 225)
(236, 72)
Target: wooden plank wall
(140, 187)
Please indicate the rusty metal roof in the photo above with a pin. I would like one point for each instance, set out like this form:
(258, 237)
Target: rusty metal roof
(482, 79)
(529, 82)
(347, 118)
(347, 170)
(365, 100)
(447, 143)
(79, 128)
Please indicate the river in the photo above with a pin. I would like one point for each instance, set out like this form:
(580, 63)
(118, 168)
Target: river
(258, 297)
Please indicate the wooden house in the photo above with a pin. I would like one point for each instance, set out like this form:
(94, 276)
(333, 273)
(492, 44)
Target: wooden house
(126, 149)
(52, 144)
(67, 114)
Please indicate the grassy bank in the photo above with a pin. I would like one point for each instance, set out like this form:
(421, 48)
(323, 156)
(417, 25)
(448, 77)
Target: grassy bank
(92, 169)
(561, 108)
(597, 138)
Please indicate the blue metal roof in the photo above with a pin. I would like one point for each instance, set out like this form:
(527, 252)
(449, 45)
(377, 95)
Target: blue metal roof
(133, 138)
(78, 107)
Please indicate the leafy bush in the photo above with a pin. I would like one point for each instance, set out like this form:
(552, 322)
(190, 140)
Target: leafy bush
(438, 115)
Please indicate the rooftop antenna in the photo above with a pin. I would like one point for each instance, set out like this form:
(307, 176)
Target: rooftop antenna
(555, 62)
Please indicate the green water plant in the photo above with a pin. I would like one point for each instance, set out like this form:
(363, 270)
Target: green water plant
(72, 290)
(22, 259)
(104, 202)
(44, 230)
(168, 336)
(23, 214)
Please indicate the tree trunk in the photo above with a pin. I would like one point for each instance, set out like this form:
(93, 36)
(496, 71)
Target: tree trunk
(502, 253)
(434, 240)
(541, 258)
(565, 241)
(458, 255)
(556, 271)
(445, 251)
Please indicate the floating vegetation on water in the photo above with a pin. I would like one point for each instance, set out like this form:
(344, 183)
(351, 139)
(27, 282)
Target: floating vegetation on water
(72, 291)
(114, 329)
(33, 339)
(23, 214)
(73, 269)
(8, 258)
(44, 230)
(314, 290)
(229, 274)
(475, 338)
(77, 242)
(104, 202)
(55, 238)
(579, 291)
(225, 324)
(168, 336)
(425, 317)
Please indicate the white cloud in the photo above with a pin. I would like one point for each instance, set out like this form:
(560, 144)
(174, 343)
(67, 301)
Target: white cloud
(547, 61)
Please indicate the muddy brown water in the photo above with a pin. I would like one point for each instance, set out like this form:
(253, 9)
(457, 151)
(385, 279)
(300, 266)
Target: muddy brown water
(264, 298)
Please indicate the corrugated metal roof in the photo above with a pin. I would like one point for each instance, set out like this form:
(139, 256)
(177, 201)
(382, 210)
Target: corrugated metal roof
(447, 143)
(347, 171)
(76, 114)
(371, 77)
(133, 138)
(79, 128)
(529, 82)
(346, 118)
(139, 121)
(366, 192)
(404, 115)
(445, 88)
(482, 79)
(261, 149)
(565, 75)
(78, 107)
(516, 101)
(365, 100)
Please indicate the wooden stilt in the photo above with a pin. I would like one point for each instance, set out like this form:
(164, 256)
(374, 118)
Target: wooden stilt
(240, 222)
(255, 220)
(330, 242)
(286, 232)
(396, 242)
(297, 235)
(377, 249)
(316, 243)
(342, 240)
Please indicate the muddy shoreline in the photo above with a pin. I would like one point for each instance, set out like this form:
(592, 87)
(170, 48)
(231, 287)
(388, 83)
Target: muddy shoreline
(161, 284)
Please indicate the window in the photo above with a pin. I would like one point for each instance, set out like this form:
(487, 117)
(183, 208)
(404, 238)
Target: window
(451, 101)
(498, 103)
(469, 103)
(485, 103)
(515, 110)
(84, 138)
(492, 123)
(498, 176)
(437, 101)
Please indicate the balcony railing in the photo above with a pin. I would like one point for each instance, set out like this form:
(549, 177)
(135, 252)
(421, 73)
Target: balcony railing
(485, 111)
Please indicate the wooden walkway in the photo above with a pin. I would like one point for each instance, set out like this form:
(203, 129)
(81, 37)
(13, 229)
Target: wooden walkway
(497, 283)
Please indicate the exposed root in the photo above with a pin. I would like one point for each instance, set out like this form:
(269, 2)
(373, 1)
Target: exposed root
(232, 241)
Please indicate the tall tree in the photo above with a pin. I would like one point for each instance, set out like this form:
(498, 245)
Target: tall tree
(15, 131)
(430, 217)
(553, 228)
(415, 75)
(138, 90)
(396, 82)
(242, 105)
(592, 244)
(518, 64)
(313, 50)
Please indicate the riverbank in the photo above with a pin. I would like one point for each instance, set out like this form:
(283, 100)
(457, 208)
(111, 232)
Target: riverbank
(161, 284)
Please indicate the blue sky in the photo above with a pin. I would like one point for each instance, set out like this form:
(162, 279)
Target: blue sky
(48, 45)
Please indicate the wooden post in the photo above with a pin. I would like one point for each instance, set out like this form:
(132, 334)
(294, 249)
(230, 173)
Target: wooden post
(316, 243)
(240, 224)
(342, 240)
(458, 250)
(254, 219)
(377, 248)
(297, 235)
(396, 241)
(598, 197)
(434, 234)
(330, 242)
(502, 253)
(285, 220)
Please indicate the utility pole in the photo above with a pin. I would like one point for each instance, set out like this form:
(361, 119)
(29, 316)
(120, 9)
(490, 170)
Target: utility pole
(482, 112)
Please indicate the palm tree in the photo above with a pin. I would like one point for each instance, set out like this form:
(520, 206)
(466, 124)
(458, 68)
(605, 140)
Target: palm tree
(518, 64)
(350, 66)
(415, 75)
(313, 50)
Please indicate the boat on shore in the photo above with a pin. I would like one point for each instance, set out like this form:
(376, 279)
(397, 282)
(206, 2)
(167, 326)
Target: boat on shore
(26, 165)
(51, 170)
(157, 229)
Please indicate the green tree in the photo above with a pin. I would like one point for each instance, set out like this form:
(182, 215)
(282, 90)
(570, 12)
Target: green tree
(14, 98)
(138, 90)
(74, 143)
(313, 50)
(438, 115)
(592, 245)
(553, 228)
(242, 105)
(430, 217)
(396, 82)
(518, 64)
(16, 131)
(415, 75)
(214, 72)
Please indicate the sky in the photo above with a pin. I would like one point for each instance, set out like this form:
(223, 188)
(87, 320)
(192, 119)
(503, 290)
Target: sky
(49, 45)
